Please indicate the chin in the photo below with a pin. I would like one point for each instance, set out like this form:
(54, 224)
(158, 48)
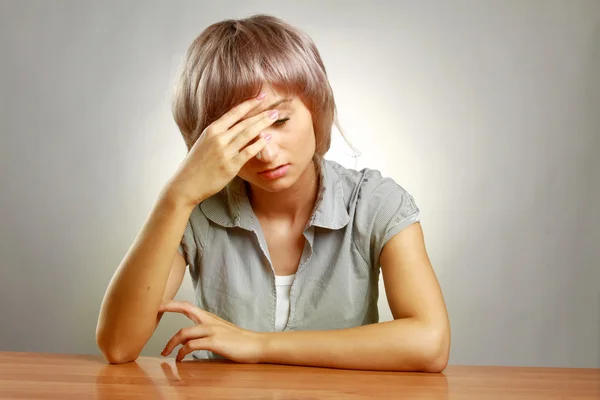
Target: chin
(274, 186)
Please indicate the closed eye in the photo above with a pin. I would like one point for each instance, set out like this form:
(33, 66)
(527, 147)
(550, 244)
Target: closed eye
(281, 122)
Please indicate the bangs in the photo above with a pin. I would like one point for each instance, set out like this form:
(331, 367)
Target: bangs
(248, 59)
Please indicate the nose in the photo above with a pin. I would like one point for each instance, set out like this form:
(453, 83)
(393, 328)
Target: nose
(269, 153)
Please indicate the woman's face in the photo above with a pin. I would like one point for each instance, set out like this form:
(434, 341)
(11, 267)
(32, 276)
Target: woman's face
(291, 149)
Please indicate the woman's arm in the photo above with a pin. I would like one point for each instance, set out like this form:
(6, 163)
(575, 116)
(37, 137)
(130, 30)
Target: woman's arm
(417, 340)
(152, 271)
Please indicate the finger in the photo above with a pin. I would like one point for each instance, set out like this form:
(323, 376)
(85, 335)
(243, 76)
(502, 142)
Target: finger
(182, 307)
(193, 345)
(245, 137)
(266, 117)
(246, 154)
(238, 112)
(184, 335)
(196, 314)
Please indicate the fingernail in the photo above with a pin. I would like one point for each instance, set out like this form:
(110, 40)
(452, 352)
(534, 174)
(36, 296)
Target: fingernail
(273, 114)
(268, 138)
(261, 96)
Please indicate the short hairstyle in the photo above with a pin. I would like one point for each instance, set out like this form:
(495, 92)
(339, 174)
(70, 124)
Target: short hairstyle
(230, 61)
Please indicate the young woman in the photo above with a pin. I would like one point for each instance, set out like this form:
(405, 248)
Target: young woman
(284, 247)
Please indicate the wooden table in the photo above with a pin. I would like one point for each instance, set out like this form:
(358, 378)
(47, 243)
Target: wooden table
(50, 376)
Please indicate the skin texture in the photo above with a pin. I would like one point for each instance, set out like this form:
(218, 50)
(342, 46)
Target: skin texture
(152, 269)
(417, 340)
(283, 206)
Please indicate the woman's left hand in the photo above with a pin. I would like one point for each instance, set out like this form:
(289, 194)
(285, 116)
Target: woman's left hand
(213, 334)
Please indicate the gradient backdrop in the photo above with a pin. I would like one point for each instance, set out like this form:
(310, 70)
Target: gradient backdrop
(488, 112)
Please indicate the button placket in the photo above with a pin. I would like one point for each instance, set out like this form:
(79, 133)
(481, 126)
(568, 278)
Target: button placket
(304, 260)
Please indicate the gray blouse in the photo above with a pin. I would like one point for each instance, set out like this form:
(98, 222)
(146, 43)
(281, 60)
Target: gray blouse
(336, 285)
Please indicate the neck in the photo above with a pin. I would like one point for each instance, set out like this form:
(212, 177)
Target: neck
(293, 205)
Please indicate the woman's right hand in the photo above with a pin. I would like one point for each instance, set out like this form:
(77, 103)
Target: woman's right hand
(220, 152)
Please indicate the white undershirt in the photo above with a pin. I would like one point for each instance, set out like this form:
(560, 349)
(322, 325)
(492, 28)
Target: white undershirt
(283, 284)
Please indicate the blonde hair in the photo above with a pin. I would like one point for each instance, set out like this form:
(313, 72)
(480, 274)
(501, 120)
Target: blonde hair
(230, 61)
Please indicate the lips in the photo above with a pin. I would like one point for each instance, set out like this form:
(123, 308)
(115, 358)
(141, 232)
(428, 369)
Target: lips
(274, 173)
(272, 169)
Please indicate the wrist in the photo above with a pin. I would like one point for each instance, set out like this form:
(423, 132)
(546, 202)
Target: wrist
(171, 200)
(264, 343)
(173, 197)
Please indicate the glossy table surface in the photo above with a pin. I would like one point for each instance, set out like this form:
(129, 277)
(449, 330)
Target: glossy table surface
(55, 376)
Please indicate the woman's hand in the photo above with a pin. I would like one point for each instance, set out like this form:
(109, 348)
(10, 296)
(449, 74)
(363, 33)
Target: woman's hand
(213, 334)
(220, 152)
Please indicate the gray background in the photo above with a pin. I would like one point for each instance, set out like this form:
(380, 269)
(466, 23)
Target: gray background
(488, 112)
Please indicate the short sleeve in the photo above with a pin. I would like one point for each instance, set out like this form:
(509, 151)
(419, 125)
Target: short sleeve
(383, 209)
(193, 239)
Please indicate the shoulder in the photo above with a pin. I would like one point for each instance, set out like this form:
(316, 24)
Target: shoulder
(367, 190)
(378, 205)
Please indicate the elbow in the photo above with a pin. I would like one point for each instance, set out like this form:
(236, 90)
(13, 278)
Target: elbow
(113, 352)
(436, 352)
(435, 364)
(115, 356)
